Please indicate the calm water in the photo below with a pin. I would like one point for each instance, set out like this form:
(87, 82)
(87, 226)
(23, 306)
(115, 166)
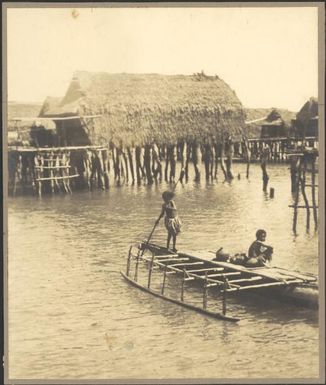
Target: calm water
(72, 316)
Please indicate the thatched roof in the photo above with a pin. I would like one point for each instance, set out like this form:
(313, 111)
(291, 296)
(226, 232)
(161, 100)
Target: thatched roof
(136, 107)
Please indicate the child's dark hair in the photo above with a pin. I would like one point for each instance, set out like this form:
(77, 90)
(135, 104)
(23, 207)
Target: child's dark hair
(260, 232)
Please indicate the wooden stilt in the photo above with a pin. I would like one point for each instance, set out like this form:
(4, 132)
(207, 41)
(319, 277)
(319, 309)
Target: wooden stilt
(164, 279)
(223, 166)
(296, 199)
(313, 190)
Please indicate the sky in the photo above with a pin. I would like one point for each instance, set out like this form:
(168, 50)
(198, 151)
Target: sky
(268, 56)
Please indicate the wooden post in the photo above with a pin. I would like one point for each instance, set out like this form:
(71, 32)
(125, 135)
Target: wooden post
(173, 162)
(196, 159)
(229, 156)
(125, 164)
(225, 286)
(183, 285)
(137, 264)
(167, 161)
(207, 159)
(130, 152)
(247, 153)
(164, 279)
(138, 164)
(223, 167)
(205, 293)
(304, 195)
(50, 163)
(150, 270)
(313, 190)
(271, 192)
(128, 261)
(263, 163)
(294, 164)
(105, 159)
(184, 160)
(147, 164)
(296, 199)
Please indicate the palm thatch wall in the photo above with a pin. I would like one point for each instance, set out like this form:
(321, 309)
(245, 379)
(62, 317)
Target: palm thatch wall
(136, 108)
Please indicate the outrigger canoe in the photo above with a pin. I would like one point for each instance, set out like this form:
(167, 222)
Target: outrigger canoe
(226, 278)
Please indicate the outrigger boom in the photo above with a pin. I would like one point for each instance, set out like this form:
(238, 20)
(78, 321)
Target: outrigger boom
(225, 277)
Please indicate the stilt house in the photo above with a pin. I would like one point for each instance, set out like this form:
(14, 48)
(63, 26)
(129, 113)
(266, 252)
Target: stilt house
(135, 109)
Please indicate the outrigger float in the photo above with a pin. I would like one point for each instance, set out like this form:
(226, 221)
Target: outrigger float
(226, 278)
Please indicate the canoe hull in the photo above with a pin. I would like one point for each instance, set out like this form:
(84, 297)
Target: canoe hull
(184, 304)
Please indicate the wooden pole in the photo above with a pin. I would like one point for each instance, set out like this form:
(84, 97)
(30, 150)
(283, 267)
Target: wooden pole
(263, 164)
(313, 190)
(150, 270)
(164, 279)
(223, 167)
(225, 286)
(147, 164)
(196, 159)
(229, 156)
(105, 158)
(128, 262)
(137, 265)
(183, 285)
(173, 162)
(138, 164)
(205, 293)
(130, 152)
(167, 161)
(296, 199)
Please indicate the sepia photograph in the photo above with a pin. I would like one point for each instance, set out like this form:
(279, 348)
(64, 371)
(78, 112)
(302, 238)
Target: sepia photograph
(163, 192)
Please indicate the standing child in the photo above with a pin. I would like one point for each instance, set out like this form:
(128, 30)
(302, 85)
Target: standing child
(171, 220)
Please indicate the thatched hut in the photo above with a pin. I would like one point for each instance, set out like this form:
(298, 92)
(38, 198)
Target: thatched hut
(268, 122)
(306, 122)
(19, 119)
(136, 109)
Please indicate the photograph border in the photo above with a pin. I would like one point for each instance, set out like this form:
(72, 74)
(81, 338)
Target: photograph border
(321, 184)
